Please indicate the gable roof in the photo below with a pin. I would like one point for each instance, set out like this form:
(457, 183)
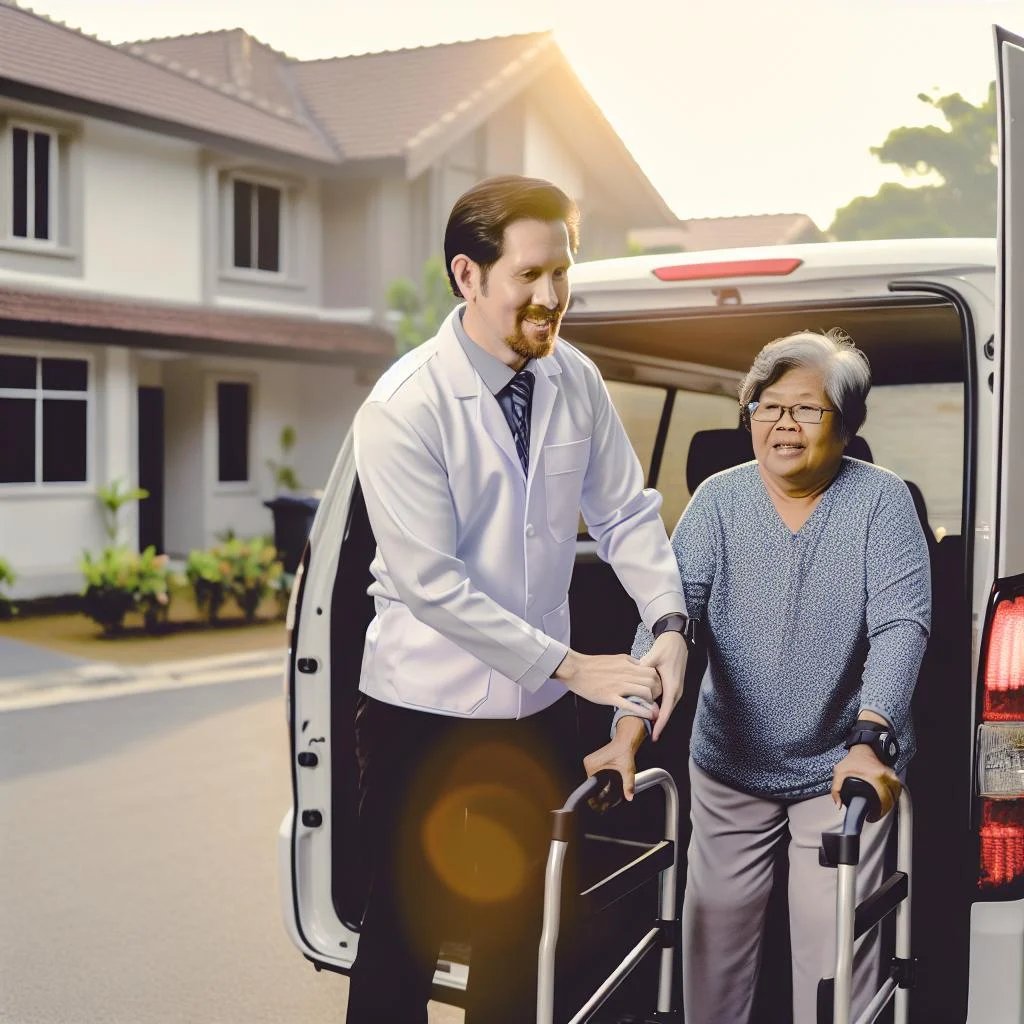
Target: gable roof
(82, 73)
(344, 114)
(394, 100)
(230, 57)
(408, 106)
(705, 233)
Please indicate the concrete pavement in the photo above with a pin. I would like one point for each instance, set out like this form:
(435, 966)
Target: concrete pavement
(32, 676)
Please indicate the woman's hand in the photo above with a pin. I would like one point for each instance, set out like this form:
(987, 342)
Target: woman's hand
(619, 754)
(862, 763)
(668, 656)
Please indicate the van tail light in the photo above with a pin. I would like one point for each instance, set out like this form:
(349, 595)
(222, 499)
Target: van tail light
(1004, 663)
(1001, 738)
(776, 267)
(1002, 842)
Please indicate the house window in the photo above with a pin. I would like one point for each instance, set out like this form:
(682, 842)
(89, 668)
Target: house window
(44, 420)
(257, 225)
(234, 404)
(32, 172)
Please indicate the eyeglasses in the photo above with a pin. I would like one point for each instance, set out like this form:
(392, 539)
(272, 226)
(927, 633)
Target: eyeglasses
(772, 412)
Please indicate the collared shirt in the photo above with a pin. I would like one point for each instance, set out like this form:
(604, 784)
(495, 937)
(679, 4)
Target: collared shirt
(493, 372)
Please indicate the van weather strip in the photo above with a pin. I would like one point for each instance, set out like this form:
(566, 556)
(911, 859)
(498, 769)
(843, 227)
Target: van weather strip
(660, 437)
(963, 313)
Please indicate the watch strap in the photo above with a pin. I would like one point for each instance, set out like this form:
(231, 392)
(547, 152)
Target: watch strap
(676, 623)
(879, 737)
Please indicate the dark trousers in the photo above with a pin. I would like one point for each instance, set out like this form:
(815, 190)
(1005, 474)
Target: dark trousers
(455, 826)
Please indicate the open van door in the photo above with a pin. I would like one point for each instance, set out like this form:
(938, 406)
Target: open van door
(997, 917)
(1010, 305)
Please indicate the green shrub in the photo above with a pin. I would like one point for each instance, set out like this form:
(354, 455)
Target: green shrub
(7, 577)
(247, 570)
(120, 580)
(255, 569)
(210, 577)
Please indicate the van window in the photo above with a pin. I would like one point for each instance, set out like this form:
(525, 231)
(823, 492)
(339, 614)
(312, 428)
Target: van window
(639, 407)
(917, 431)
(691, 412)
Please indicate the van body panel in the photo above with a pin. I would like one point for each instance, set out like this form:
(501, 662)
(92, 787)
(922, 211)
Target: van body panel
(997, 952)
(1010, 289)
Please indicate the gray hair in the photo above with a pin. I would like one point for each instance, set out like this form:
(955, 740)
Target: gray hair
(844, 368)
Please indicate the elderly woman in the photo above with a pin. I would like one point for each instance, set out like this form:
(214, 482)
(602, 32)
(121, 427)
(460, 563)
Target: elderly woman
(808, 572)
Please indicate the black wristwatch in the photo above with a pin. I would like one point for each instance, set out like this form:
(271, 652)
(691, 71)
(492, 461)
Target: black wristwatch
(676, 623)
(880, 738)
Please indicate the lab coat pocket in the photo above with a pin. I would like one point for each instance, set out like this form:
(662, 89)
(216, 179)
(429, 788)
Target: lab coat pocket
(564, 468)
(438, 675)
(556, 623)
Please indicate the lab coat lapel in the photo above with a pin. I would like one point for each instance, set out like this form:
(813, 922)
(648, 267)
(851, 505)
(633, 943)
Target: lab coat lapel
(545, 394)
(466, 384)
(494, 422)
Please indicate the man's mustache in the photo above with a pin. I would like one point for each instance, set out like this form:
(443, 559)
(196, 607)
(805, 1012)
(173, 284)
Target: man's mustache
(542, 314)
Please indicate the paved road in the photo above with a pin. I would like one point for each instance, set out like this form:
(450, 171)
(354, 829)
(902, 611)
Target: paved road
(138, 878)
(21, 659)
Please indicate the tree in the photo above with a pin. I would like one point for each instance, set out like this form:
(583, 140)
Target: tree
(961, 154)
(422, 308)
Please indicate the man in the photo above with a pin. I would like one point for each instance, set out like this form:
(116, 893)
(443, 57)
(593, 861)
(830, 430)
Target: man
(476, 453)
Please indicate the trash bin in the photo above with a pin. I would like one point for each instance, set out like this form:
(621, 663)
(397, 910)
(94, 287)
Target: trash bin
(293, 518)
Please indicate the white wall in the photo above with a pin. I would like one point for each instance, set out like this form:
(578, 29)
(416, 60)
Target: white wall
(546, 156)
(319, 402)
(44, 528)
(142, 195)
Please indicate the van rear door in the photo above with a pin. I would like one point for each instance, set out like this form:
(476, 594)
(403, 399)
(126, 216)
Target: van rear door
(996, 989)
(1010, 304)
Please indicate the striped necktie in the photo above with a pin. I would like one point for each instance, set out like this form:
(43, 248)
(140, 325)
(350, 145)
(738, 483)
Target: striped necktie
(515, 400)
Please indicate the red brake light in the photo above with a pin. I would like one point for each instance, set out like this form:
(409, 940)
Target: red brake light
(1004, 664)
(1002, 842)
(729, 268)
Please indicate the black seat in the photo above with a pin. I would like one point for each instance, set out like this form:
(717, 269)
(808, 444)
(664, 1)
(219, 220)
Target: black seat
(711, 451)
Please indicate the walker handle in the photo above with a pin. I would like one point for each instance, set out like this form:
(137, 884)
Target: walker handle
(861, 802)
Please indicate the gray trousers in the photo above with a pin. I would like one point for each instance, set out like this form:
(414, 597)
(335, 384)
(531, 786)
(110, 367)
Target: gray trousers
(733, 846)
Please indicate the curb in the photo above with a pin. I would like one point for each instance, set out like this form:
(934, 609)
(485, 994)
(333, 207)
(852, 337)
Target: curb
(99, 679)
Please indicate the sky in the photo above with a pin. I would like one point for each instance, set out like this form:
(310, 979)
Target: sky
(731, 107)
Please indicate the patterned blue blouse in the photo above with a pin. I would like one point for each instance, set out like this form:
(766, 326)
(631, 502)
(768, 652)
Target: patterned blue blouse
(803, 629)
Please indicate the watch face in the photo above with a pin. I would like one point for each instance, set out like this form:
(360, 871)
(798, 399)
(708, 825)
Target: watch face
(891, 749)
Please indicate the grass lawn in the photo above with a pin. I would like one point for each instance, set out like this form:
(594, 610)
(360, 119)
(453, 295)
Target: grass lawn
(183, 636)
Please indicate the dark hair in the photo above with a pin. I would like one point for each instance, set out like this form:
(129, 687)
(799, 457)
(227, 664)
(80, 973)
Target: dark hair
(476, 226)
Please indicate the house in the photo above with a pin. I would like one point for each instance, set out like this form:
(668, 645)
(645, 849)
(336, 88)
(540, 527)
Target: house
(196, 237)
(727, 233)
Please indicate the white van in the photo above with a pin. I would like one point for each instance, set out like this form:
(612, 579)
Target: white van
(942, 322)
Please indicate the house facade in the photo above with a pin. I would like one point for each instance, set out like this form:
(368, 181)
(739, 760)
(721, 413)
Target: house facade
(196, 239)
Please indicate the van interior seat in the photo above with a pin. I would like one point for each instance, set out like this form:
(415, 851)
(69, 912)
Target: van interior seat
(712, 451)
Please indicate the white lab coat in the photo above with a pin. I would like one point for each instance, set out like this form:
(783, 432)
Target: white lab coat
(473, 562)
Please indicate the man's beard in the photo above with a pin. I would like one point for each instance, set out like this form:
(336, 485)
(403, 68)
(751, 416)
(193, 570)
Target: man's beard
(528, 348)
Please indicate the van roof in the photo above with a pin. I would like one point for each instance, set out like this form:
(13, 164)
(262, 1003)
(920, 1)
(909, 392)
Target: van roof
(817, 259)
(626, 317)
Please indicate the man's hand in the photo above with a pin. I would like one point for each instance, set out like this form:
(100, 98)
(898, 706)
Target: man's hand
(619, 755)
(668, 657)
(862, 763)
(611, 679)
